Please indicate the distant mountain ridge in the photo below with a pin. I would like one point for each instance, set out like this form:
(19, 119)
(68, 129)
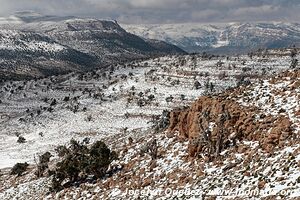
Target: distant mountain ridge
(33, 45)
(25, 54)
(222, 37)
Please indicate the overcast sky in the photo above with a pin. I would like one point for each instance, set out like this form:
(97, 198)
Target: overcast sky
(162, 11)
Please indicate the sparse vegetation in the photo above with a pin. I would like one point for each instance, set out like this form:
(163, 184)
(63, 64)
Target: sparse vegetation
(21, 139)
(150, 148)
(80, 161)
(43, 164)
(294, 63)
(19, 169)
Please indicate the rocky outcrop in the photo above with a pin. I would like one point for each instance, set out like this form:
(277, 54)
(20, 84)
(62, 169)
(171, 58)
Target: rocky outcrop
(214, 123)
(210, 123)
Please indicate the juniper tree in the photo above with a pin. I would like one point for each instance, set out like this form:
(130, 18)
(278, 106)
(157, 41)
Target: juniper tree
(80, 161)
(19, 169)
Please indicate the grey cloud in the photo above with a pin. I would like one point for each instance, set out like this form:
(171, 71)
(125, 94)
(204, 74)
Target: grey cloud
(162, 11)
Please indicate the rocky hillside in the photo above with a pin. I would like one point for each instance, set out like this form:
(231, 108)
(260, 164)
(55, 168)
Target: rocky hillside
(28, 54)
(241, 135)
(36, 46)
(126, 97)
(224, 38)
(225, 146)
(267, 112)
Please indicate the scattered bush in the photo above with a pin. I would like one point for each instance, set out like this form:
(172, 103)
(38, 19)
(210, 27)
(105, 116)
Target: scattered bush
(294, 63)
(182, 97)
(197, 85)
(150, 148)
(21, 139)
(19, 169)
(80, 162)
(169, 99)
(66, 99)
(89, 118)
(53, 103)
(293, 53)
(151, 97)
(243, 81)
(43, 164)
(62, 151)
(162, 122)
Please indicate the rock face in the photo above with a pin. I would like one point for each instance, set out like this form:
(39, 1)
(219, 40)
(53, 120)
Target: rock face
(211, 124)
(214, 123)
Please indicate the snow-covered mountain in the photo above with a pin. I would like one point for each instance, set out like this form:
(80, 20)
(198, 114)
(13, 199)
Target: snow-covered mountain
(33, 45)
(29, 54)
(221, 37)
